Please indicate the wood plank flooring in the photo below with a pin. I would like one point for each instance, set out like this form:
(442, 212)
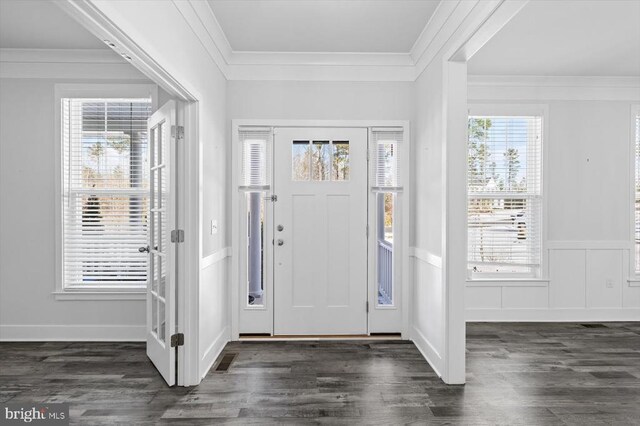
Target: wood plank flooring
(528, 374)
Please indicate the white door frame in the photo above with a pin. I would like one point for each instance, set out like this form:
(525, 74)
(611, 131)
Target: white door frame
(190, 178)
(404, 166)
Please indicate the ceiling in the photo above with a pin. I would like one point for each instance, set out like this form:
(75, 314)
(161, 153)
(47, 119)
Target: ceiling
(390, 26)
(40, 24)
(566, 38)
(546, 38)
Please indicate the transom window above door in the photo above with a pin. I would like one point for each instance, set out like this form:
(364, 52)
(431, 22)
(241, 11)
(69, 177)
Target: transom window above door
(105, 188)
(320, 160)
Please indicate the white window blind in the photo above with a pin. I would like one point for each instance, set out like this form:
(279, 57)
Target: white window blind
(637, 190)
(504, 194)
(105, 192)
(256, 155)
(384, 165)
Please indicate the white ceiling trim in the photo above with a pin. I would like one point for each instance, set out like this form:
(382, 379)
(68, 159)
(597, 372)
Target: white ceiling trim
(459, 19)
(338, 59)
(60, 55)
(317, 66)
(289, 65)
(490, 88)
(501, 14)
(437, 21)
(66, 63)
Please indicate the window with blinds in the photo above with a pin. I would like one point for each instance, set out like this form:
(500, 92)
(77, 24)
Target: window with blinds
(384, 152)
(255, 181)
(504, 194)
(386, 183)
(256, 155)
(637, 191)
(105, 192)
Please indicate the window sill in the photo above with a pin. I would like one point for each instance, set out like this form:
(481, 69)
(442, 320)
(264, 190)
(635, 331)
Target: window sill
(508, 282)
(99, 295)
(634, 282)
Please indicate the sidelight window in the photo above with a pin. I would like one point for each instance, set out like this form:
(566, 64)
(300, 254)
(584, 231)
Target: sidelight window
(637, 191)
(255, 182)
(386, 185)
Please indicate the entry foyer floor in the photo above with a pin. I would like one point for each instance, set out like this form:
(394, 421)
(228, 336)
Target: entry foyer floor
(529, 374)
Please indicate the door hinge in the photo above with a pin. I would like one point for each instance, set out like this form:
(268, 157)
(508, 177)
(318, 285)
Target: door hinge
(177, 340)
(177, 236)
(274, 198)
(367, 306)
(177, 132)
(367, 231)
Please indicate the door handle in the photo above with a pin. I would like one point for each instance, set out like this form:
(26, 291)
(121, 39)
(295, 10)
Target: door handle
(280, 228)
(280, 242)
(144, 249)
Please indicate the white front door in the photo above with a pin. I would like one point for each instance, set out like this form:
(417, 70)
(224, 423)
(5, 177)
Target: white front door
(320, 232)
(161, 303)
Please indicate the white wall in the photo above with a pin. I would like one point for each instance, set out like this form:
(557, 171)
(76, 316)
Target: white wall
(319, 100)
(589, 221)
(428, 328)
(28, 310)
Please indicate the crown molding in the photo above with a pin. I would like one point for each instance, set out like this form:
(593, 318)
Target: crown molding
(426, 45)
(91, 56)
(290, 65)
(554, 81)
(595, 88)
(452, 20)
(66, 63)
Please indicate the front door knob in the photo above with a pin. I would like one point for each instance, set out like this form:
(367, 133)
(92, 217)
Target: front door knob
(280, 242)
(280, 228)
(144, 249)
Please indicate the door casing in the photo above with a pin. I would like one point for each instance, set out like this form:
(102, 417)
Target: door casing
(403, 249)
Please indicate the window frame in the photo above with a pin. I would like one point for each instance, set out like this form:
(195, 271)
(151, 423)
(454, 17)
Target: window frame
(105, 91)
(634, 275)
(517, 110)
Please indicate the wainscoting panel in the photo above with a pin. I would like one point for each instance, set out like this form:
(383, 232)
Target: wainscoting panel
(525, 297)
(604, 278)
(568, 287)
(587, 281)
(428, 315)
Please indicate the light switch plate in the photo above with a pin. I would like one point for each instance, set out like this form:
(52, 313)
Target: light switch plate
(214, 227)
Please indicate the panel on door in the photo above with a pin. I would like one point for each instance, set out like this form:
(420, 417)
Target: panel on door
(320, 236)
(161, 318)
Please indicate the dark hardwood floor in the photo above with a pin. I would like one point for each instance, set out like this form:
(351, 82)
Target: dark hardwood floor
(525, 374)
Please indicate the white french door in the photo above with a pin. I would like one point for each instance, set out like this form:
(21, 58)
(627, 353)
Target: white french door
(320, 231)
(161, 301)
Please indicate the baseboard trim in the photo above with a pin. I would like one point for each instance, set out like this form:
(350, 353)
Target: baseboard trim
(73, 333)
(427, 350)
(213, 351)
(552, 315)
